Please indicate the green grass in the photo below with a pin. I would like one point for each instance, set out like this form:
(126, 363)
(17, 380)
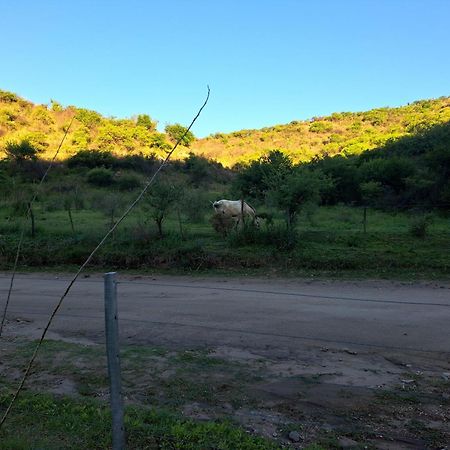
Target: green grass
(42, 421)
(330, 241)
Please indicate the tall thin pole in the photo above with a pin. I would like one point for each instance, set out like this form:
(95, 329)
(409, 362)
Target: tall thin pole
(365, 219)
(112, 352)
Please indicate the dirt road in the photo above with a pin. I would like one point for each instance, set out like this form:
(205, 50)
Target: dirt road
(337, 357)
(255, 314)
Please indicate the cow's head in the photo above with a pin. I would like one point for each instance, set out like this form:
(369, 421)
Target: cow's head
(217, 206)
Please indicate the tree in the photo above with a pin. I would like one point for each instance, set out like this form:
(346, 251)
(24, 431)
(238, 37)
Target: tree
(371, 192)
(391, 172)
(144, 120)
(298, 188)
(344, 173)
(177, 132)
(111, 203)
(20, 151)
(264, 174)
(197, 167)
(158, 140)
(161, 199)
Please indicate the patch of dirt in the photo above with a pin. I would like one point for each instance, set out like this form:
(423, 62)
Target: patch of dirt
(321, 395)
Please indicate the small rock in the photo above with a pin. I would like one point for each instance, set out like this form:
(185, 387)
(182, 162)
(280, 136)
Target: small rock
(347, 443)
(350, 352)
(407, 381)
(275, 434)
(324, 349)
(294, 436)
(446, 376)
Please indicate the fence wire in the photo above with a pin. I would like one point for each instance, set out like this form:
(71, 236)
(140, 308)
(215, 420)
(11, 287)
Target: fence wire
(27, 215)
(100, 244)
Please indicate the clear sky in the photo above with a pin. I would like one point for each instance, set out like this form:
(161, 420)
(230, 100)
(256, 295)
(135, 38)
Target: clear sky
(267, 62)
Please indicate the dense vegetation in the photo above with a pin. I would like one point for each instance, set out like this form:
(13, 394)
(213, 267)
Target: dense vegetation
(381, 210)
(343, 133)
(412, 171)
(44, 125)
(338, 134)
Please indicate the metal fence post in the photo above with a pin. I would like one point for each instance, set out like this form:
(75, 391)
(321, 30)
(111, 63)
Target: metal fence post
(112, 352)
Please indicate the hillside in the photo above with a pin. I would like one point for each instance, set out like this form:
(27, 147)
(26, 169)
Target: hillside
(340, 133)
(43, 126)
(343, 133)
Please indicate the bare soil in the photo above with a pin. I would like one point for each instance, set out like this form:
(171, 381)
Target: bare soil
(330, 392)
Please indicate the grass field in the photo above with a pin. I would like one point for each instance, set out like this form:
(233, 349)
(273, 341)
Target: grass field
(328, 240)
(64, 422)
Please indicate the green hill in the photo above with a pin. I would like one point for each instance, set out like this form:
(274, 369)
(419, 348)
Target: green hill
(44, 125)
(343, 133)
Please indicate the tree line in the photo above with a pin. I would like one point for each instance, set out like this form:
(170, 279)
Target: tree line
(412, 171)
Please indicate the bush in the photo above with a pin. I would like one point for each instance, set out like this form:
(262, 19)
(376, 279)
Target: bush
(419, 225)
(8, 97)
(280, 237)
(91, 159)
(320, 127)
(222, 224)
(144, 120)
(197, 205)
(100, 177)
(87, 117)
(177, 132)
(128, 182)
(20, 151)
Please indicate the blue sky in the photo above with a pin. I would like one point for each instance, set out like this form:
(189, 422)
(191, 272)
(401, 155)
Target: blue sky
(267, 62)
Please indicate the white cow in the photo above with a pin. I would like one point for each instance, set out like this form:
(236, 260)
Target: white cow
(235, 209)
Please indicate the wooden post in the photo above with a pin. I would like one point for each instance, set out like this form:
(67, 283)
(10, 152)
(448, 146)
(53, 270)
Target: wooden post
(365, 219)
(33, 227)
(112, 352)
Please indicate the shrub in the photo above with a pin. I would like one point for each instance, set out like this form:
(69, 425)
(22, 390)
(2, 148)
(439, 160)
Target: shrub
(197, 204)
(128, 182)
(158, 140)
(91, 159)
(81, 138)
(20, 151)
(139, 163)
(55, 106)
(177, 132)
(320, 127)
(144, 120)
(87, 117)
(222, 224)
(42, 115)
(280, 237)
(419, 225)
(8, 97)
(100, 177)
